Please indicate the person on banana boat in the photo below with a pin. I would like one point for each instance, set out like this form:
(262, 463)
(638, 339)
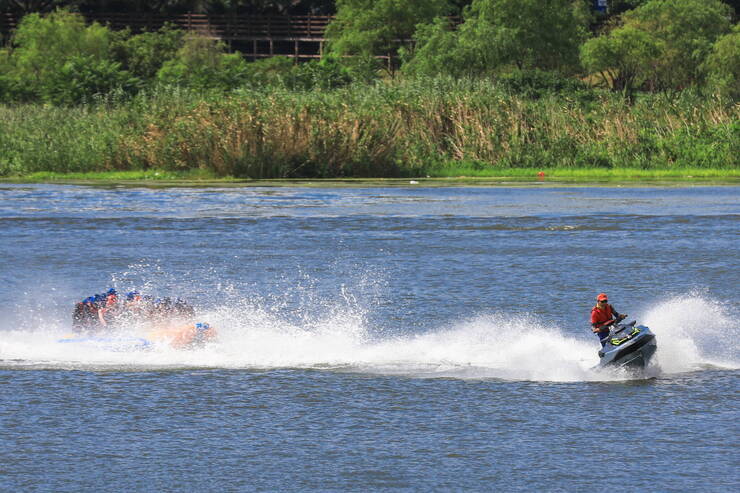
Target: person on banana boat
(105, 312)
(110, 308)
(185, 336)
(85, 317)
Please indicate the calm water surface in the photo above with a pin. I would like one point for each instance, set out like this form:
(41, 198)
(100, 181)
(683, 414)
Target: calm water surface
(379, 339)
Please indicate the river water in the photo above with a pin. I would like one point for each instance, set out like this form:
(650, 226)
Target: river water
(372, 339)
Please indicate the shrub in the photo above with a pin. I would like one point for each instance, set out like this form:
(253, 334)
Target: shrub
(82, 77)
(661, 45)
(44, 44)
(536, 83)
(202, 64)
(325, 74)
(498, 34)
(374, 27)
(144, 54)
(270, 72)
(279, 71)
(723, 65)
(58, 59)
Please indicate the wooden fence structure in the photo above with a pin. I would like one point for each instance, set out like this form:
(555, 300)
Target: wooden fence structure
(8, 23)
(256, 36)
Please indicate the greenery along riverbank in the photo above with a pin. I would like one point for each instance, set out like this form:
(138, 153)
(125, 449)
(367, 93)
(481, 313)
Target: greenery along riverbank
(496, 90)
(513, 177)
(413, 127)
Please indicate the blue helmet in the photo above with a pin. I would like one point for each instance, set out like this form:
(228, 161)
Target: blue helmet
(202, 326)
(112, 291)
(131, 295)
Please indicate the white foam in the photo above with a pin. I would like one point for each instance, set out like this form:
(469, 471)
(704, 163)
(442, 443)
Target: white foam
(692, 332)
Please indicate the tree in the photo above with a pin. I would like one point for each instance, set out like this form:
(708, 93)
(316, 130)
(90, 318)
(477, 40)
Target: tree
(144, 54)
(527, 34)
(59, 59)
(202, 64)
(660, 45)
(625, 59)
(735, 4)
(369, 28)
(723, 64)
(43, 44)
(620, 6)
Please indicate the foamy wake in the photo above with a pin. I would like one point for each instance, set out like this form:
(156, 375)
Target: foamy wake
(692, 332)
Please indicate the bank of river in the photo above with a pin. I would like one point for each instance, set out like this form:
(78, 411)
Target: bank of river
(518, 176)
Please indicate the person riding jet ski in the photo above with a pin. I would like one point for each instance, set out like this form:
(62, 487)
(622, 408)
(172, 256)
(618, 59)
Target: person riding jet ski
(622, 345)
(603, 316)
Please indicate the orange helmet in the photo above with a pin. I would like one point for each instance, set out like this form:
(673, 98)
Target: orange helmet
(602, 297)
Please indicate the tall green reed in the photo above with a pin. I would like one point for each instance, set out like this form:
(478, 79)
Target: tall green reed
(402, 128)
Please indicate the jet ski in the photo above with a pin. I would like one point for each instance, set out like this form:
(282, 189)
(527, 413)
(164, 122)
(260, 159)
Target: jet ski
(628, 346)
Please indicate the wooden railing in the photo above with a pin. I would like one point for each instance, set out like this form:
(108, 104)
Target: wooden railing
(255, 36)
(225, 27)
(8, 23)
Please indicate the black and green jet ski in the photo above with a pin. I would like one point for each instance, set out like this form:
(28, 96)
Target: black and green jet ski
(628, 346)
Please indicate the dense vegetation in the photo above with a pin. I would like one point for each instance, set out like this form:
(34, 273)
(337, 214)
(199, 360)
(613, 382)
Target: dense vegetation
(407, 128)
(509, 84)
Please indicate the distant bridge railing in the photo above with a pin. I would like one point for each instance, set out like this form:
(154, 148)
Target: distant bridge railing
(257, 36)
(225, 27)
(8, 23)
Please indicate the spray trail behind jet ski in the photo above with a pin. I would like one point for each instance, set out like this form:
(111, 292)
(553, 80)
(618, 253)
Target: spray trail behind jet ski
(692, 332)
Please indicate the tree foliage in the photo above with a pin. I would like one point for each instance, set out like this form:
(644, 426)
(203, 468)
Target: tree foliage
(43, 42)
(377, 27)
(723, 64)
(144, 54)
(202, 63)
(660, 45)
(59, 59)
(82, 77)
(624, 59)
(526, 34)
(530, 45)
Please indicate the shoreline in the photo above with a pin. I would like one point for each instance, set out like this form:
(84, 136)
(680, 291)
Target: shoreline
(168, 180)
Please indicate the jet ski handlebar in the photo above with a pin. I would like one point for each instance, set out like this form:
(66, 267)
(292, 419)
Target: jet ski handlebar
(617, 327)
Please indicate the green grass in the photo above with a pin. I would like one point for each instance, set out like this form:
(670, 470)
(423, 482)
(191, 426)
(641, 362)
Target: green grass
(136, 175)
(449, 176)
(590, 174)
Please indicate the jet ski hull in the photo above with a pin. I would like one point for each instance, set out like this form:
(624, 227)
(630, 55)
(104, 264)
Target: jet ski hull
(628, 346)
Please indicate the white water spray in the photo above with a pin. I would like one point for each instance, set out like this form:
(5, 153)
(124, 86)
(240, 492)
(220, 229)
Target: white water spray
(693, 333)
